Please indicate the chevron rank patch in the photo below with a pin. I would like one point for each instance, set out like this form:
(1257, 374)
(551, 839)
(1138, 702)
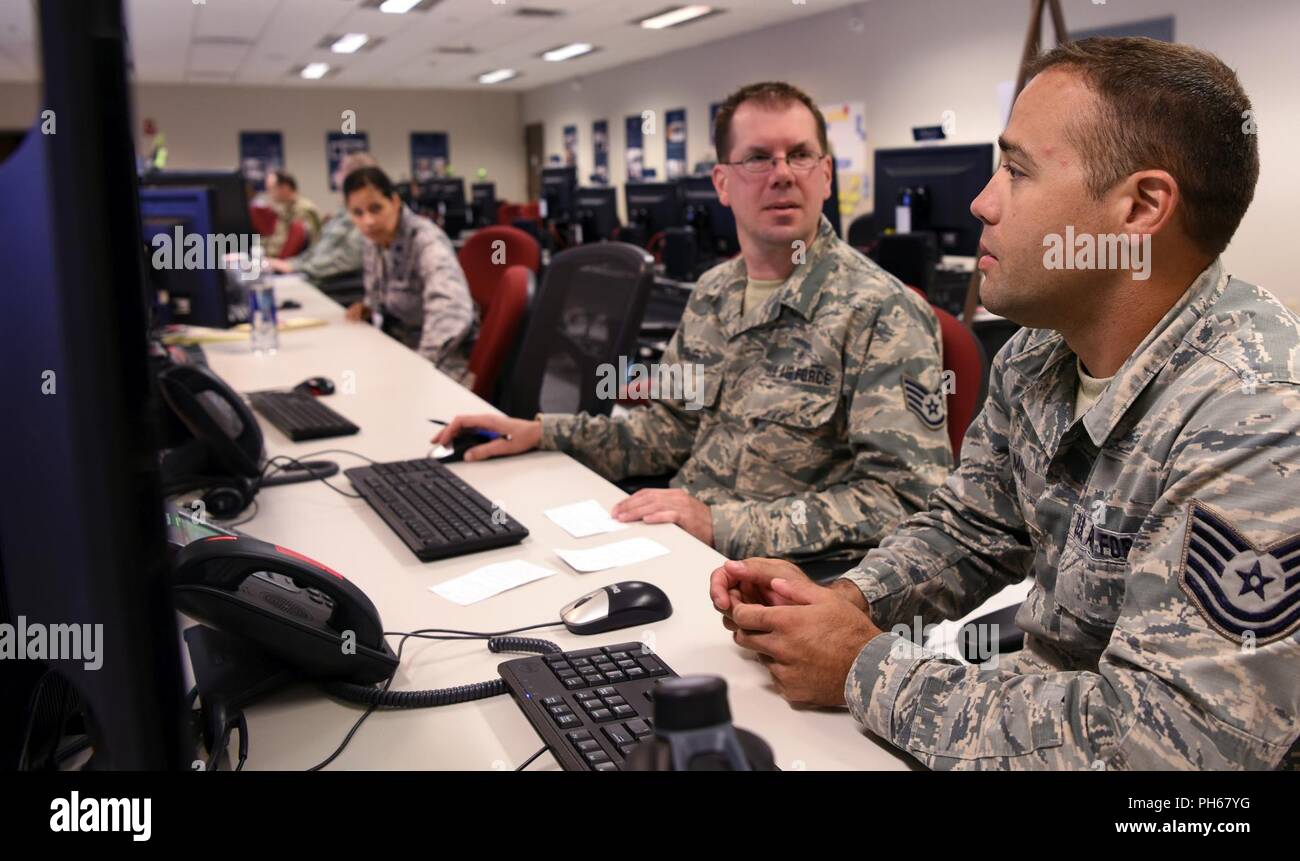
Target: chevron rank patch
(928, 406)
(1236, 585)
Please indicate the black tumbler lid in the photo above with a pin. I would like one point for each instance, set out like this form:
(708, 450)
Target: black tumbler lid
(691, 702)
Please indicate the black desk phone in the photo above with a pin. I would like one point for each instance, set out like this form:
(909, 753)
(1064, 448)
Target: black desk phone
(293, 607)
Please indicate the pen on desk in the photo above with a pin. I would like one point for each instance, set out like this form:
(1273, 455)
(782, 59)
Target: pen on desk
(487, 433)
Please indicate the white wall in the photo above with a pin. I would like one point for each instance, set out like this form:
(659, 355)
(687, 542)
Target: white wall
(202, 124)
(911, 60)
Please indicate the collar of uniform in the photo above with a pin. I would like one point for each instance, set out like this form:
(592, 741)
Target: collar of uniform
(1154, 351)
(799, 292)
(406, 227)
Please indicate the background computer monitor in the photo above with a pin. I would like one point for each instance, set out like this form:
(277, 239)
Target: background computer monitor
(192, 296)
(653, 206)
(558, 185)
(714, 224)
(81, 516)
(953, 176)
(443, 199)
(484, 197)
(229, 197)
(596, 210)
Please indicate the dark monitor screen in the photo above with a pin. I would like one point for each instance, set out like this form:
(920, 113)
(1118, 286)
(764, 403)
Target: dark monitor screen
(596, 209)
(189, 293)
(653, 205)
(952, 177)
(558, 185)
(714, 223)
(484, 197)
(446, 190)
(229, 198)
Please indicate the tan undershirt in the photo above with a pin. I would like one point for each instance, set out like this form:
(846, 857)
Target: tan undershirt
(756, 293)
(1090, 389)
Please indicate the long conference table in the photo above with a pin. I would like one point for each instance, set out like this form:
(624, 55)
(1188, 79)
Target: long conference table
(391, 393)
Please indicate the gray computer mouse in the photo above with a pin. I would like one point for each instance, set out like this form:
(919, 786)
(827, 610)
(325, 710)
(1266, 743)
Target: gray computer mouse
(620, 605)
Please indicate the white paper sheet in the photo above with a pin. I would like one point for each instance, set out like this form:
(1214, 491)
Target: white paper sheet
(583, 519)
(612, 555)
(489, 580)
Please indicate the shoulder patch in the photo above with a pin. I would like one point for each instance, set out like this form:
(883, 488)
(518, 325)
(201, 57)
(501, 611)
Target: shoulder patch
(926, 405)
(1240, 588)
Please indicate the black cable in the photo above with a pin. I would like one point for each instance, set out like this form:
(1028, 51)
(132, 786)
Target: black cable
(529, 761)
(424, 633)
(306, 468)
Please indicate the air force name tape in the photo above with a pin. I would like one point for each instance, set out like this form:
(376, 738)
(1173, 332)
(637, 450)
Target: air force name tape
(1240, 588)
(928, 406)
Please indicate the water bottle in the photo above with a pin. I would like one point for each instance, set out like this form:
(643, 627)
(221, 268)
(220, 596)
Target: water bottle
(264, 337)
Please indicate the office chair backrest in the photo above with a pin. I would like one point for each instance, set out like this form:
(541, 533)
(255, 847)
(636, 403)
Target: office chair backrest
(963, 355)
(507, 213)
(263, 219)
(484, 261)
(503, 316)
(587, 313)
(296, 241)
(863, 231)
(909, 257)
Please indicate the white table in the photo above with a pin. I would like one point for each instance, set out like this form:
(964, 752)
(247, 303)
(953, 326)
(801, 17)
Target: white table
(391, 393)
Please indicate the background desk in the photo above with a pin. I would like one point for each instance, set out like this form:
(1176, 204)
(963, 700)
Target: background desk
(391, 393)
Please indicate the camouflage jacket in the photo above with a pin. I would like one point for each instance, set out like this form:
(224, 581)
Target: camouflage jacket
(819, 422)
(418, 287)
(1162, 530)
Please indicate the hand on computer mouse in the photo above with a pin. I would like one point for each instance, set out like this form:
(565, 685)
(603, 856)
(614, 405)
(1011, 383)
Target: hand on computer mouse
(516, 435)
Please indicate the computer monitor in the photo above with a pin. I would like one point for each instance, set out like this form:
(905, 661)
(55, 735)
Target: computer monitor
(596, 210)
(484, 197)
(443, 199)
(558, 186)
(831, 208)
(229, 198)
(714, 224)
(81, 516)
(952, 177)
(195, 296)
(653, 206)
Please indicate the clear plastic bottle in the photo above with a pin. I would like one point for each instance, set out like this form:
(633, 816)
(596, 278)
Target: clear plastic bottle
(264, 338)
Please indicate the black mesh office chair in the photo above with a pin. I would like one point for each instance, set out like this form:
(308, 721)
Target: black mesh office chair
(587, 313)
(863, 231)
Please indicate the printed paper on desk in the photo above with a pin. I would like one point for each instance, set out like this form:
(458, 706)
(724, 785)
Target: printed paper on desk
(612, 555)
(490, 580)
(583, 519)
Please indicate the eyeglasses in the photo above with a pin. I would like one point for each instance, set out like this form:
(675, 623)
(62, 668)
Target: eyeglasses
(801, 162)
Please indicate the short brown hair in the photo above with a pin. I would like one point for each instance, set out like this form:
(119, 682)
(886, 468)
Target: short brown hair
(1169, 107)
(769, 94)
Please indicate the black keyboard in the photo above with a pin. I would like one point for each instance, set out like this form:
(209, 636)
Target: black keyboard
(590, 706)
(432, 510)
(299, 416)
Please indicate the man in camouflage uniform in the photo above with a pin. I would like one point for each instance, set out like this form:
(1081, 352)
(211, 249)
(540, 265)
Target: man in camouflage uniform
(1157, 512)
(819, 420)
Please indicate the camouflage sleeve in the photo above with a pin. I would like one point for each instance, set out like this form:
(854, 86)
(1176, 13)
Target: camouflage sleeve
(370, 276)
(338, 251)
(448, 307)
(969, 543)
(901, 452)
(650, 440)
(1200, 668)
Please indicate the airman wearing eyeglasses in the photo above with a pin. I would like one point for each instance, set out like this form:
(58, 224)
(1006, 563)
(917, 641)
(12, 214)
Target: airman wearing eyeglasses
(818, 421)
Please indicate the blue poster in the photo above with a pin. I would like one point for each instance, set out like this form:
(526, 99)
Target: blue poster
(713, 121)
(337, 145)
(259, 154)
(675, 146)
(600, 151)
(635, 154)
(570, 146)
(430, 154)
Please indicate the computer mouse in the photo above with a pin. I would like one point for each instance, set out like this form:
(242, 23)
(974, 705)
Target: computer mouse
(463, 442)
(316, 386)
(617, 606)
(290, 305)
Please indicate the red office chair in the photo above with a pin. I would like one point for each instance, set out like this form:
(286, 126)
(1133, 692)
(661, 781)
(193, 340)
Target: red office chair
(508, 212)
(503, 315)
(963, 355)
(476, 259)
(296, 241)
(263, 218)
